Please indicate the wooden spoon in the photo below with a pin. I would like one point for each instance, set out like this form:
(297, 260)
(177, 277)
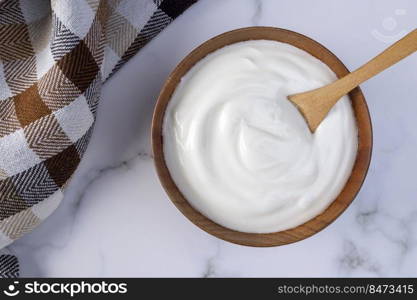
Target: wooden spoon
(314, 105)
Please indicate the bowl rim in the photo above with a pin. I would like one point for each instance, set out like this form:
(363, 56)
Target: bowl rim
(337, 206)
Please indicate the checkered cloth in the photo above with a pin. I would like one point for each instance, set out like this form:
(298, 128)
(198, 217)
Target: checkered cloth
(54, 57)
(9, 265)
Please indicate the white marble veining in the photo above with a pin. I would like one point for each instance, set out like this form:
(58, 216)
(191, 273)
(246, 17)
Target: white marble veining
(116, 220)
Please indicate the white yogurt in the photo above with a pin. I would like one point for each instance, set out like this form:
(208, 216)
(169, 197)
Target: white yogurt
(241, 153)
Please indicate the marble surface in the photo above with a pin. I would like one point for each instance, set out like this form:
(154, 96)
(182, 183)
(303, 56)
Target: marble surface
(116, 220)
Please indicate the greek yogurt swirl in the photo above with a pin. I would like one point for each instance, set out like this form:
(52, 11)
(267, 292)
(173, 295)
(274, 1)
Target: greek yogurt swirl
(241, 153)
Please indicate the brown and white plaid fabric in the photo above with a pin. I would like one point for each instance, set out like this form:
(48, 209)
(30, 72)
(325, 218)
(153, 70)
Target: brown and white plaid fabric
(54, 57)
(9, 265)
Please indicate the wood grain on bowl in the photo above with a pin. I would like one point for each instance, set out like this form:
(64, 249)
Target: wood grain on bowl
(309, 228)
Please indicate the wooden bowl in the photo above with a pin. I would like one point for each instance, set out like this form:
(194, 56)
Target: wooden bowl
(309, 228)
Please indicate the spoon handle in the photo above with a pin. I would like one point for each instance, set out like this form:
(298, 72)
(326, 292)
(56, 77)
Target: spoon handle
(396, 52)
(314, 105)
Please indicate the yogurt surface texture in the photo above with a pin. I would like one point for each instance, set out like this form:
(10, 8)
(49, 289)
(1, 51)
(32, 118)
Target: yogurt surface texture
(241, 153)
